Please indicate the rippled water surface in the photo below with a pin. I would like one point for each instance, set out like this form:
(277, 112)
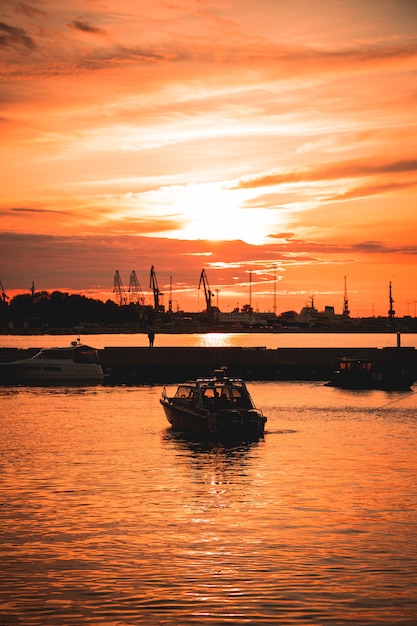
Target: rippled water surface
(108, 518)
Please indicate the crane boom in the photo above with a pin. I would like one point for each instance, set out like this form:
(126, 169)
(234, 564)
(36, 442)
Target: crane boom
(135, 290)
(207, 291)
(119, 290)
(153, 284)
(4, 296)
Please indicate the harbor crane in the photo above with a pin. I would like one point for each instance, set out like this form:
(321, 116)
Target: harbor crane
(153, 284)
(135, 290)
(119, 290)
(207, 291)
(3, 294)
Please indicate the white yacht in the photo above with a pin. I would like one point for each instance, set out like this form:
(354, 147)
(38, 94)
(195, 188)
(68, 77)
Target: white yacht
(77, 364)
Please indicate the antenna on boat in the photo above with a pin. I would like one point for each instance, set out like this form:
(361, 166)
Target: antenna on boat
(219, 374)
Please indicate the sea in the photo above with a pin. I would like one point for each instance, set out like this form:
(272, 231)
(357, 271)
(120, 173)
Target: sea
(108, 518)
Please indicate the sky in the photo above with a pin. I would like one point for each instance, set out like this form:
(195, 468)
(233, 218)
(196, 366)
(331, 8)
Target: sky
(272, 143)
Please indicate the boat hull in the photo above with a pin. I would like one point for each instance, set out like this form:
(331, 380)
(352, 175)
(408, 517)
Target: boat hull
(353, 373)
(230, 424)
(403, 384)
(30, 373)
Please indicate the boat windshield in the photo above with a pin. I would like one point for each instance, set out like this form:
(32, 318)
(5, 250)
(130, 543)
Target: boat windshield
(62, 354)
(226, 396)
(183, 391)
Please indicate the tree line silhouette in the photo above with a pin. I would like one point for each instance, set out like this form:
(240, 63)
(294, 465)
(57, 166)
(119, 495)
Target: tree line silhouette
(62, 310)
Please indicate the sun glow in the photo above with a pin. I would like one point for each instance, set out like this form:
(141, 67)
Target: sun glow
(213, 211)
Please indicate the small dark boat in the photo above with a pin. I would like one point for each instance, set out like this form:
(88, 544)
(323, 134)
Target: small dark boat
(354, 373)
(219, 406)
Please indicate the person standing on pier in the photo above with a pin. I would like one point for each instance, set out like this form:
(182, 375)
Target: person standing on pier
(151, 337)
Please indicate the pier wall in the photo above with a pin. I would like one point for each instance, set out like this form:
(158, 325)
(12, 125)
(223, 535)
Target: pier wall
(167, 365)
(159, 365)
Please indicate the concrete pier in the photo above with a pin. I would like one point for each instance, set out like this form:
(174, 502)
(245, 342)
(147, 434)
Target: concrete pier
(167, 365)
(159, 365)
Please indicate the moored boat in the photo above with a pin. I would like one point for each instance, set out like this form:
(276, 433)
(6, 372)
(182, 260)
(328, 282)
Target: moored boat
(218, 406)
(354, 373)
(74, 364)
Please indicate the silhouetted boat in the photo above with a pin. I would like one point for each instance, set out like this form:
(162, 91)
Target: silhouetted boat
(218, 406)
(76, 364)
(354, 373)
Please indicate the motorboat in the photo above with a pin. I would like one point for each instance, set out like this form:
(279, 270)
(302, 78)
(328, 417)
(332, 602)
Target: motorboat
(354, 373)
(219, 406)
(76, 364)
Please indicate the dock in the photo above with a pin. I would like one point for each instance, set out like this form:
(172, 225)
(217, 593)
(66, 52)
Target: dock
(165, 365)
(175, 364)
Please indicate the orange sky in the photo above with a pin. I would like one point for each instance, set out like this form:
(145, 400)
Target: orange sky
(267, 139)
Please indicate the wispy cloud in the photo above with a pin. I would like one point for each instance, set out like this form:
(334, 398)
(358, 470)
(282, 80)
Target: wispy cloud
(371, 190)
(331, 171)
(370, 247)
(86, 27)
(12, 36)
(37, 210)
(30, 10)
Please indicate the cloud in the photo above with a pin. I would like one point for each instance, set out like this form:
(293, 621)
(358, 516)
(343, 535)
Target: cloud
(11, 36)
(288, 235)
(30, 11)
(35, 210)
(85, 27)
(372, 247)
(27, 210)
(87, 263)
(372, 190)
(331, 171)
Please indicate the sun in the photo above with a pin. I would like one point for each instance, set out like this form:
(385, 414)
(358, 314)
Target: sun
(213, 211)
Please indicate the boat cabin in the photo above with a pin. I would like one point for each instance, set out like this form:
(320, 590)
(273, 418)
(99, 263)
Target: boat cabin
(215, 394)
(76, 354)
(352, 364)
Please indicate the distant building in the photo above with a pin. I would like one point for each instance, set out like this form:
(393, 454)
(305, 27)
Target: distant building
(245, 318)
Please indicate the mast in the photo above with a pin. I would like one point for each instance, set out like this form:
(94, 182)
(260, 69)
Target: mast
(345, 302)
(170, 295)
(391, 311)
(274, 302)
